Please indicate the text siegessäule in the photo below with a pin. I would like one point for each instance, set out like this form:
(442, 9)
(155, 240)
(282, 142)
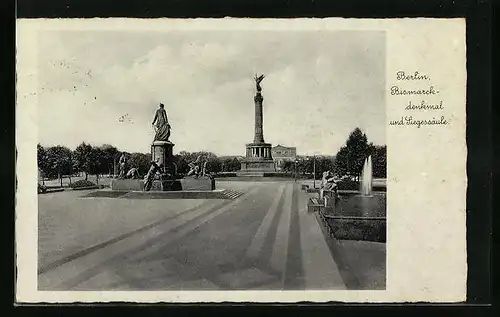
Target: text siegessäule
(424, 107)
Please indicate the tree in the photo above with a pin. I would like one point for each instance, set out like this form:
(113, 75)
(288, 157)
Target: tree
(350, 158)
(82, 156)
(96, 160)
(341, 167)
(230, 164)
(288, 167)
(214, 165)
(140, 161)
(235, 165)
(42, 161)
(379, 161)
(181, 163)
(323, 164)
(59, 161)
(204, 154)
(182, 160)
(109, 154)
(309, 165)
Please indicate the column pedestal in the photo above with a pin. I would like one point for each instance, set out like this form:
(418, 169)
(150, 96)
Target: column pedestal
(258, 160)
(162, 153)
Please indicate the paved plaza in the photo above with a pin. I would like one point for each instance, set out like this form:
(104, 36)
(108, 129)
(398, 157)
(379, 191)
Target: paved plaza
(263, 239)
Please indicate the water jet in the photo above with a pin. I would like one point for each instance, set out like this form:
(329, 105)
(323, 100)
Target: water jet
(366, 185)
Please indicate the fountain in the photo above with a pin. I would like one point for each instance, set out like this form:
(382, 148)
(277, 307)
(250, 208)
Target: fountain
(354, 215)
(366, 178)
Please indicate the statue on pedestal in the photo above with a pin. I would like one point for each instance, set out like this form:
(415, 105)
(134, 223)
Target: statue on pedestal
(160, 122)
(328, 181)
(258, 79)
(122, 163)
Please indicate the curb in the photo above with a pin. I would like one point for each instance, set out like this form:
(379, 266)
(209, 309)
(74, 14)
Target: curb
(55, 190)
(87, 187)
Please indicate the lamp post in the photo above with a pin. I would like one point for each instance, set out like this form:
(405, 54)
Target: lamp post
(296, 161)
(314, 171)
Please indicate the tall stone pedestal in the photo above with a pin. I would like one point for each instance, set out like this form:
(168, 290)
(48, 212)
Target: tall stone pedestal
(258, 159)
(162, 152)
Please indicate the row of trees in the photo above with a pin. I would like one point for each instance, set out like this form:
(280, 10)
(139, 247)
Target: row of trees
(215, 164)
(348, 161)
(56, 161)
(307, 166)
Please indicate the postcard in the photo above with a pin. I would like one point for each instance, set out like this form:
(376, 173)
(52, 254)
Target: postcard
(241, 160)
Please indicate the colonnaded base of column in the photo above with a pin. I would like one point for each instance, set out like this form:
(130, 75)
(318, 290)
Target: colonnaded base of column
(258, 160)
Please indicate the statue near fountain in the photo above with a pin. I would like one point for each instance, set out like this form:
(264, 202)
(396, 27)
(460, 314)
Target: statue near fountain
(328, 190)
(351, 214)
(328, 181)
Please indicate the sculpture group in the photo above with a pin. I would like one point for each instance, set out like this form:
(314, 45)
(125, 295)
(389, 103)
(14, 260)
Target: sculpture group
(132, 173)
(328, 182)
(198, 168)
(162, 170)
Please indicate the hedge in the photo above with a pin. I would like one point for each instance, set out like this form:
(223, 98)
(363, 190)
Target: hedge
(82, 183)
(225, 174)
(348, 184)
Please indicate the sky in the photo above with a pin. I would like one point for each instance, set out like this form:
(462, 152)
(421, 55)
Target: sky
(104, 87)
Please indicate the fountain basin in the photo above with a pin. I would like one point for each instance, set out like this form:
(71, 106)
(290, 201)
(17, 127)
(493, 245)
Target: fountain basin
(358, 217)
(356, 205)
(359, 229)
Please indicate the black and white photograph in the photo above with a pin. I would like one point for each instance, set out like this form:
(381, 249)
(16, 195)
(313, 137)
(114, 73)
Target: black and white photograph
(211, 160)
(215, 160)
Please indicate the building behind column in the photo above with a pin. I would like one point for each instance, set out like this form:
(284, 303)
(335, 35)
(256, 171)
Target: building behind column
(282, 154)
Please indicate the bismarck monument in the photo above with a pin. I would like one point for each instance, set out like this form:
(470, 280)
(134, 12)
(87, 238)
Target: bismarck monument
(258, 158)
(162, 173)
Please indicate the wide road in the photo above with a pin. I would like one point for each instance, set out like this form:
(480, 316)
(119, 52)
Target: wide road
(263, 239)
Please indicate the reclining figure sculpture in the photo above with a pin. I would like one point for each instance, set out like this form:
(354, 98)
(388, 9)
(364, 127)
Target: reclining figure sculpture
(198, 168)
